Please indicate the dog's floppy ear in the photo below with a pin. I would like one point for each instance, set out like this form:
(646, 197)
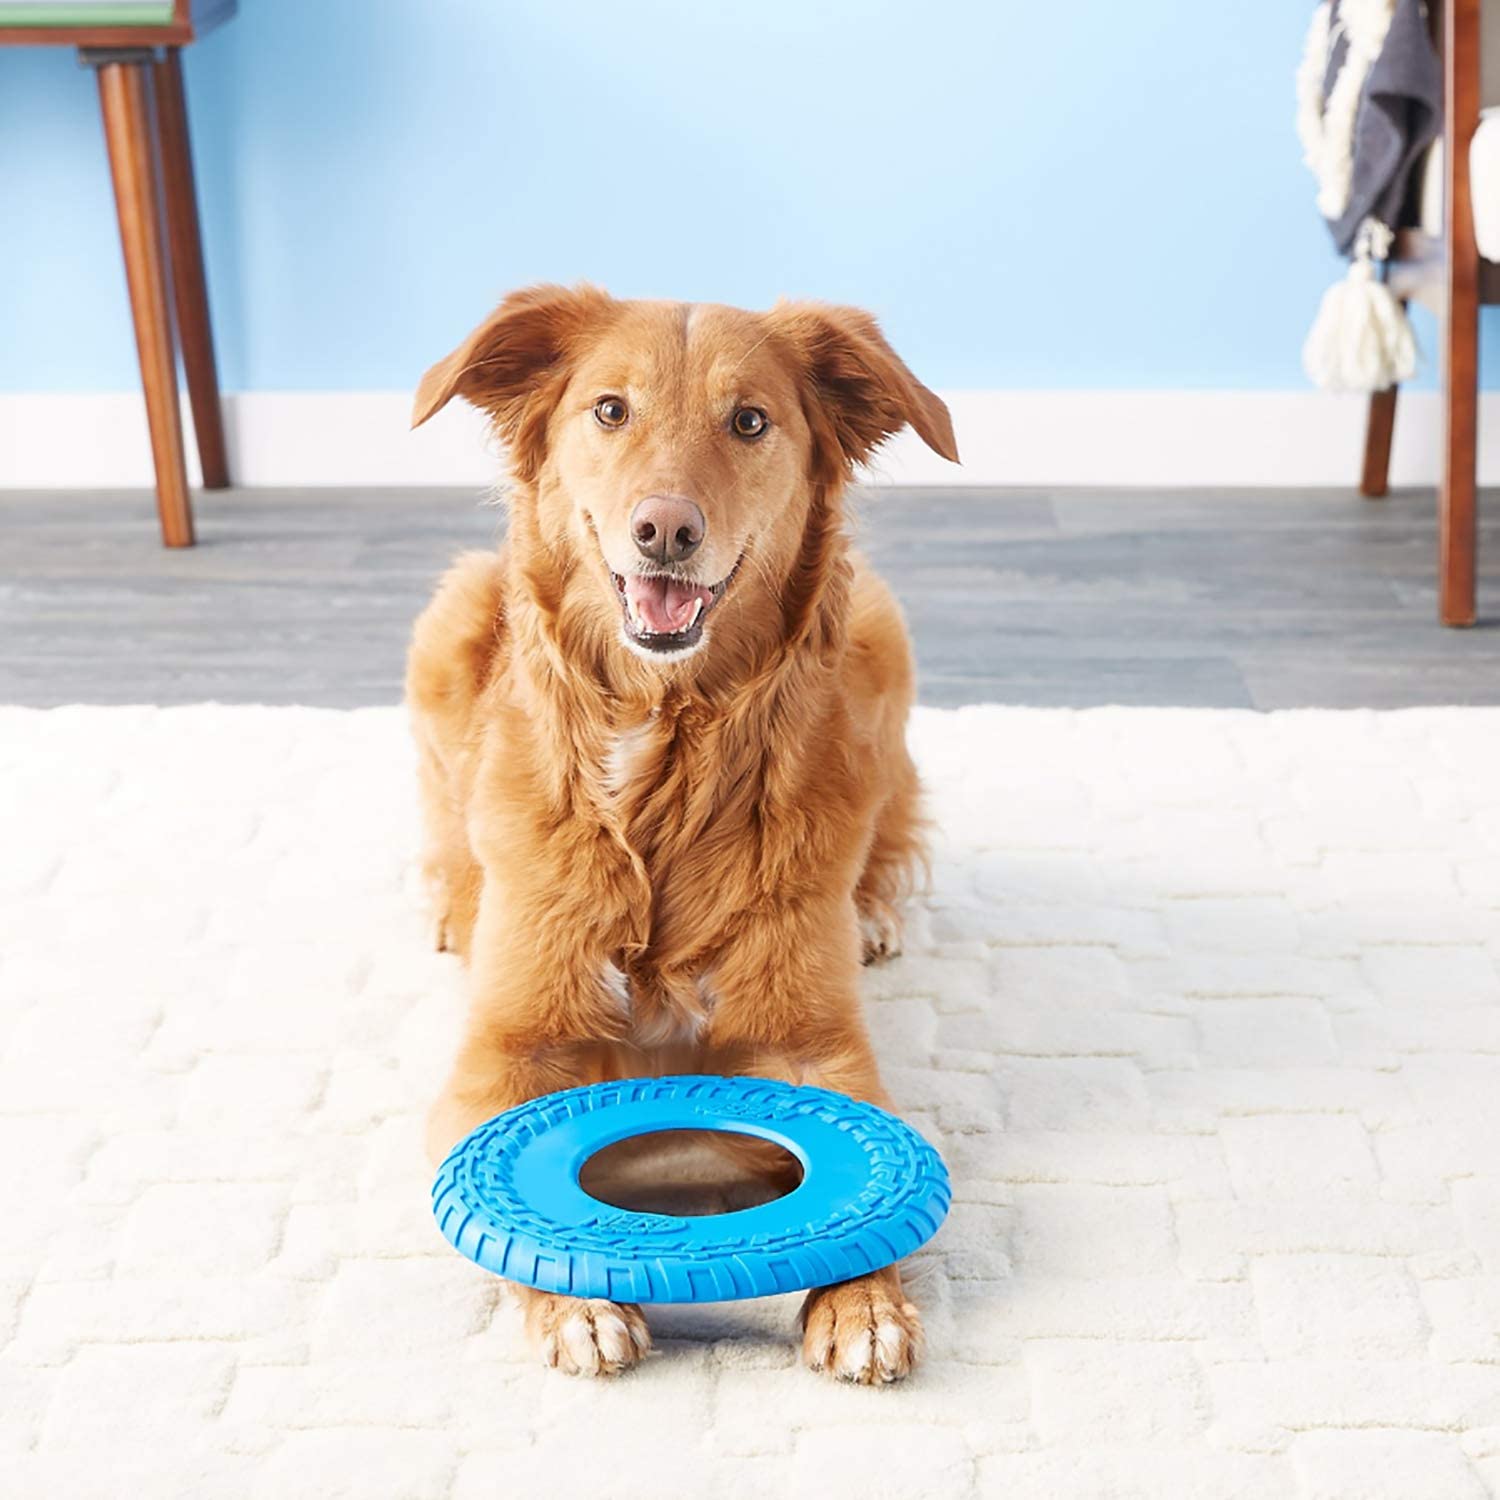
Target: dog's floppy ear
(865, 391)
(511, 354)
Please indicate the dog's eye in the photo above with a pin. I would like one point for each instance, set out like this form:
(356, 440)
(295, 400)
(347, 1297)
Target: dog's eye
(610, 411)
(749, 422)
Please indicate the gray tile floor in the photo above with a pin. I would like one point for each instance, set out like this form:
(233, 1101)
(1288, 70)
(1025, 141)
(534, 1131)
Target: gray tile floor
(1266, 599)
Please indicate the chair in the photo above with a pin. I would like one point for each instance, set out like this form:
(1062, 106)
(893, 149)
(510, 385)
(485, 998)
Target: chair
(1445, 268)
(135, 48)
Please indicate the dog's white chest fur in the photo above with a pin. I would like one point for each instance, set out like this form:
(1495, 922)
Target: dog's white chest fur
(672, 1021)
(625, 755)
(666, 1019)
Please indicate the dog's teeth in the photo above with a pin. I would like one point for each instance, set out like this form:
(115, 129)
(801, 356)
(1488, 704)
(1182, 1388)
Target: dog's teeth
(697, 610)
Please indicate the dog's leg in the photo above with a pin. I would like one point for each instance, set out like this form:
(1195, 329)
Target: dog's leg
(453, 646)
(514, 1050)
(789, 1008)
(452, 874)
(881, 683)
(863, 1331)
(575, 1335)
(895, 853)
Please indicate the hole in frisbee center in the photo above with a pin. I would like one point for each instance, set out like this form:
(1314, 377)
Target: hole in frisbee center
(690, 1173)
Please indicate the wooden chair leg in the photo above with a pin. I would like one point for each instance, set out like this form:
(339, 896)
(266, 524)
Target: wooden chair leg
(1380, 423)
(1456, 498)
(125, 99)
(189, 285)
(1456, 515)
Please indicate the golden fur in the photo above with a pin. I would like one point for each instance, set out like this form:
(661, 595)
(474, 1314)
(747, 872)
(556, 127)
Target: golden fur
(677, 863)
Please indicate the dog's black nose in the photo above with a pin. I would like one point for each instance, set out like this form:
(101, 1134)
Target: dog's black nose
(667, 528)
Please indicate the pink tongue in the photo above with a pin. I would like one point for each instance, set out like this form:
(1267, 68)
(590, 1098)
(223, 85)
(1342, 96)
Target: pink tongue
(664, 605)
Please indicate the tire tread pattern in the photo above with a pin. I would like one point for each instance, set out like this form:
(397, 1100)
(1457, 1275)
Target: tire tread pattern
(644, 1257)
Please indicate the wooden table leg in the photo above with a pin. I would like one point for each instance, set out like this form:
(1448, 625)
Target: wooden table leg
(125, 98)
(189, 285)
(1380, 423)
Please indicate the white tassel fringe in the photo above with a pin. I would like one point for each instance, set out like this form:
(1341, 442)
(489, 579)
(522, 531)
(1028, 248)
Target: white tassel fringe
(1361, 339)
(1367, 22)
(1326, 128)
(1310, 73)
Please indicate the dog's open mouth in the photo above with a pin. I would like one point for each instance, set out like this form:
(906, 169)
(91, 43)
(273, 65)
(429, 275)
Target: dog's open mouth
(665, 613)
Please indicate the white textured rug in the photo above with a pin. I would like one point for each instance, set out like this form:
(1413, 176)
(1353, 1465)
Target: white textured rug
(1203, 1010)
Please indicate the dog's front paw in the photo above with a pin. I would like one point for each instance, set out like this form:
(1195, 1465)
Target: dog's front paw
(861, 1331)
(586, 1336)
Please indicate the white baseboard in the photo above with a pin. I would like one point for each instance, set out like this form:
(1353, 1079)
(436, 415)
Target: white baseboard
(1033, 438)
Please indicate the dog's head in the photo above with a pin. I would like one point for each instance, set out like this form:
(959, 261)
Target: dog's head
(676, 450)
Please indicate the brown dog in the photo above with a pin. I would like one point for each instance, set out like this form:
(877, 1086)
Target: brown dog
(668, 800)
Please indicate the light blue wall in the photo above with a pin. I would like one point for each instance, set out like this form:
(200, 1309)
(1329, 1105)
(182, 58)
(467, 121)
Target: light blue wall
(1093, 195)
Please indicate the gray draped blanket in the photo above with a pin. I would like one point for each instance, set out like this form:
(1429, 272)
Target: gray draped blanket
(1398, 118)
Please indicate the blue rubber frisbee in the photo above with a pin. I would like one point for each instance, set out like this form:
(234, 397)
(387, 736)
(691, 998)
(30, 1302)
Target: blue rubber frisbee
(508, 1195)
